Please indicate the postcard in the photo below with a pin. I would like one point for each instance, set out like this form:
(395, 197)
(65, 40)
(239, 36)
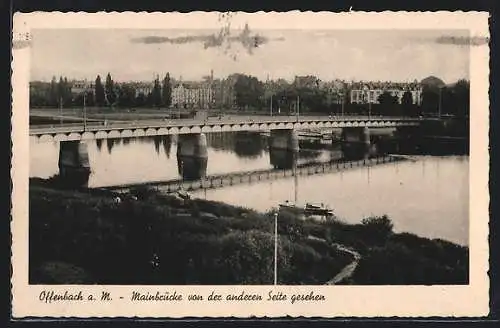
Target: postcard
(210, 164)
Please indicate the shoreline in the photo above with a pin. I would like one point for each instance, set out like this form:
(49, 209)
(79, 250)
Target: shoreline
(95, 236)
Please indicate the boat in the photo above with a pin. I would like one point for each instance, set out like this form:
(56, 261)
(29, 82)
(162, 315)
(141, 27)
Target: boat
(308, 209)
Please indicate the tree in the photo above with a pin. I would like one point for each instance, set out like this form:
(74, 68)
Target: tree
(448, 101)
(430, 99)
(167, 91)
(407, 104)
(60, 91)
(110, 90)
(249, 91)
(67, 96)
(462, 94)
(387, 103)
(141, 100)
(156, 94)
(53, 92)
(99, 92)
(126, 95)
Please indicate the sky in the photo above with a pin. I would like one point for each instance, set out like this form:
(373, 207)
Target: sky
(138, 54)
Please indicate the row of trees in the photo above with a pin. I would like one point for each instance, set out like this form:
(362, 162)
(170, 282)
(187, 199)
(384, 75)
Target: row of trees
(107, 94)
(452, 100)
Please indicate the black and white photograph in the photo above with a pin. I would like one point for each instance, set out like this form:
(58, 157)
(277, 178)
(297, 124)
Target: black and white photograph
(245, 154)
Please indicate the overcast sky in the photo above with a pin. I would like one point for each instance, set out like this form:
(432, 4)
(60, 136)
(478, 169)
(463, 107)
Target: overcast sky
(329, 54)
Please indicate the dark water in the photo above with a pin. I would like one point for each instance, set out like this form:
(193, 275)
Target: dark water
(427, 196)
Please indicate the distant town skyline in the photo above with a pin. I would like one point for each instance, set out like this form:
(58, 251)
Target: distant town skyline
(138, 55)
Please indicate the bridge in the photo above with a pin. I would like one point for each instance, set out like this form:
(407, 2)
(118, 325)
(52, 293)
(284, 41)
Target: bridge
(79, 131)
(192, 142)
(236, 178)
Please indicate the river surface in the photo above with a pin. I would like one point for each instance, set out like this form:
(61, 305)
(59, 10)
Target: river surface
(427, 196)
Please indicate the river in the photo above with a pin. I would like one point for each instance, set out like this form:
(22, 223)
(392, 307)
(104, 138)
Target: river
(427, 196)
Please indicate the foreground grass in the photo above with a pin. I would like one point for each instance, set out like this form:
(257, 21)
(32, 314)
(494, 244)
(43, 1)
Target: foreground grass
(87, 237)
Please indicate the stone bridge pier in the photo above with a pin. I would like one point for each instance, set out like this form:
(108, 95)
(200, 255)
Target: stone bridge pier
(284, 139)
(74, 165)
(408, 138)
(356, 142)
(192, 156)
(356, 135)
(283, 148)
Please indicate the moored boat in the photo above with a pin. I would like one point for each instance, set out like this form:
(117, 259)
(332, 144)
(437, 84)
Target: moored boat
(307, 209)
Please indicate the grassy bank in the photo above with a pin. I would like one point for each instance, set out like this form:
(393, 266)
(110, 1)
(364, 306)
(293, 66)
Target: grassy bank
(90, 237)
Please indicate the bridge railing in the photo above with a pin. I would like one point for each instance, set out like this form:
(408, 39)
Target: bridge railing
(178, 123)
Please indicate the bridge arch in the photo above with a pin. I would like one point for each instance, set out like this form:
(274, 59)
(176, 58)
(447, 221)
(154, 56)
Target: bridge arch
(88, 136)
(114, 134)
(226, 128)
(46, 138)
(60, 137)
(74, 136)
(127, 133)
(184, 130)
(139, 133)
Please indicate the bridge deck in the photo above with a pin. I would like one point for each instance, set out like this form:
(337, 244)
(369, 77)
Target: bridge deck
(184, 126)
(231, 179)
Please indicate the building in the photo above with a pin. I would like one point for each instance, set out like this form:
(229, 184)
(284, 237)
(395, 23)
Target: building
(369, 92)
(80, 86)
(192, 95)
(335, 90)
(144, 88)
(308, 81)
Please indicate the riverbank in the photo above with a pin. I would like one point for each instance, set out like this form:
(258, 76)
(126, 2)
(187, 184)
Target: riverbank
(95, 237)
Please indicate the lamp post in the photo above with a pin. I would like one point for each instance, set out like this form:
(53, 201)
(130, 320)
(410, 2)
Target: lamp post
(271, 106)
(84, 111)
(440, 101)
(60, 111)
(298, 107)
(342, 95)
(275, 248)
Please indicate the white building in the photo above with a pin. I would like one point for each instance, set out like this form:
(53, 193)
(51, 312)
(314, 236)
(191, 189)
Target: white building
(192, 95)
(364, 93)
(79, 87)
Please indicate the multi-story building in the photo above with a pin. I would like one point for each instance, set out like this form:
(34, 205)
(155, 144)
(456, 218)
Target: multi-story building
(81, 86)
(369, 92)
(335, 91)
(144, 88)
(308, 81)
(192, 95)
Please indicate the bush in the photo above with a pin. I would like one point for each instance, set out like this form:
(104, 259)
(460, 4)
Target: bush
(86, 237)
(396, 264)
(376, 229)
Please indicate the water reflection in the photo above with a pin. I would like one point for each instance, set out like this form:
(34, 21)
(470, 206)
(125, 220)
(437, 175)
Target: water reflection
(248, 144)
(192, 168)
(110, 144)
(98, 143)
(283, 159)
